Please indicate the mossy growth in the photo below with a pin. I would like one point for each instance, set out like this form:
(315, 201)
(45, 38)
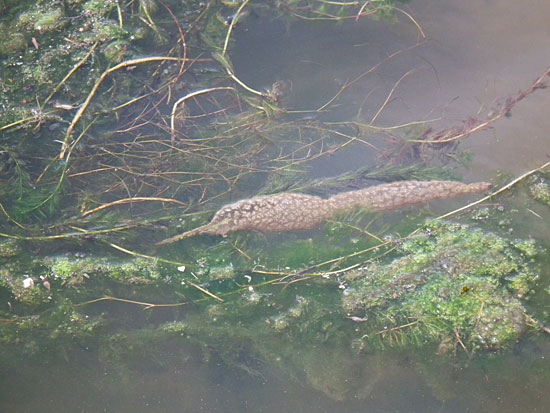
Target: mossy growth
(451, 280)
(50, 20)
(445, 281)
(103, 31)
(76, 271)
(42, 19)
(539, 187)
(100, 8)
(9, 249)
(12, 42)
(116, 51)
(24, 290)
(53, 332)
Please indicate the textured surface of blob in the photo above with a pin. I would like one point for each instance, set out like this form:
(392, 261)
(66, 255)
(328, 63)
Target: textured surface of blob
(399, 194)
(277, 213)
(294, 212)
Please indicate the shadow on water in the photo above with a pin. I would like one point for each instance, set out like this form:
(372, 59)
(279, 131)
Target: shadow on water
(477, 53)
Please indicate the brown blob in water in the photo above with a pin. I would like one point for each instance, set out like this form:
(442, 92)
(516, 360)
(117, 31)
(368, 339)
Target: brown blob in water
(293, 212)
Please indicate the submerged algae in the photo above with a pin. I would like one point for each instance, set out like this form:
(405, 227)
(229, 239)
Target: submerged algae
(540, 189)
(49, 318)
(9, 249)
(309, 329)
(445, 281)
(75, 271)
(451, 278)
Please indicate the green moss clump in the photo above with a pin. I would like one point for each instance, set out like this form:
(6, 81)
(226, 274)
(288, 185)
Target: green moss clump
(25, 289)
(12, 41)
(103, 31)
(139, 271)
(451, 278)
(174, 328)
(25, 21)
(68, 269)
(73, 3)
(446, 281)
(74, 272)
(527, 247)
(100, 8)
(9, 249)
(42, 19)
(540, 189)
(221, 273)
(116, 51)
(53, 335)
(49, 21)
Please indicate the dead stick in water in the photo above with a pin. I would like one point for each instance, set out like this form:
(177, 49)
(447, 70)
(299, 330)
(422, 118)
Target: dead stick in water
(504, 188)
(129, 201)
(84, 106)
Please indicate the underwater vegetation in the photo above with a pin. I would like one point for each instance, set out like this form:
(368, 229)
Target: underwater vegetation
(448, 287)
(540, 189)
(124, 122)
(451, 280)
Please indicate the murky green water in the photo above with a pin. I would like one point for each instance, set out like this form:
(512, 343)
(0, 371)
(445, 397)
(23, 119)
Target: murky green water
(477, 52)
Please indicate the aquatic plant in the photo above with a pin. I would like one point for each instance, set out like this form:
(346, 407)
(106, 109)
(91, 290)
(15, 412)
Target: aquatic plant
(540, 189)
(450, 287)
(125, 122)
(453, 280)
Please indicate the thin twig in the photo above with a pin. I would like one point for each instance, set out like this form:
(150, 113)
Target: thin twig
(147, 306)
(10, 218)
(198, 287)
(474, 125)
(361, 76)
(504, 188)
(92, 93)
(398, 327)
(395, 86)
(459, 341)
(129, 201)
(364, 231)
(233, 22)
(411, 18)
(181, 101)
(137, 254)
(182, 40)
(74, 69)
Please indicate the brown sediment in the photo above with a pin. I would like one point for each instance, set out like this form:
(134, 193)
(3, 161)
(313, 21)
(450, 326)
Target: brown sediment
(293, 212)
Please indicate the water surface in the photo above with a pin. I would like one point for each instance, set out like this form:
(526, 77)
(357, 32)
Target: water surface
(476, 52)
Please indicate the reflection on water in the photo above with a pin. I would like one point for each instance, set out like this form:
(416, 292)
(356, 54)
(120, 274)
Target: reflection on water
(478, 52)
